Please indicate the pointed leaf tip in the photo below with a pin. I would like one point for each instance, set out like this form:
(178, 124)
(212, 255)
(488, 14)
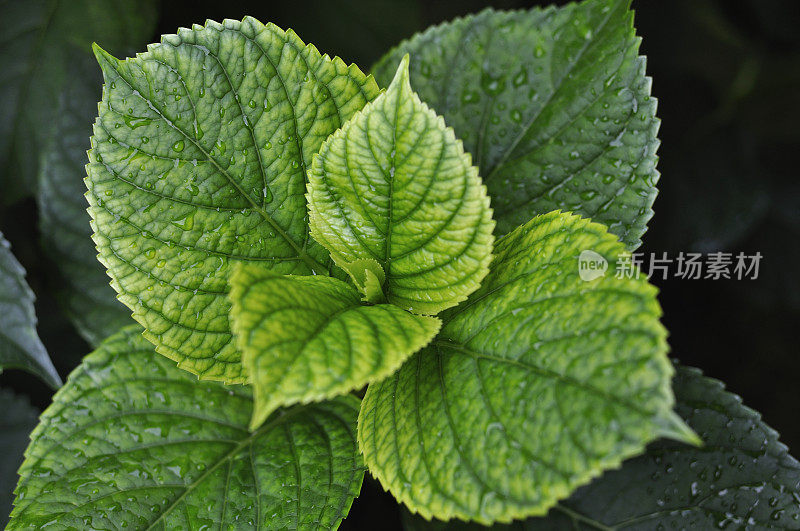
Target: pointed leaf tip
(127, 368)
(415, 174)
(98, 51)
(401, 77)
(508, 347)
(308, 338)
(102, 56)
(675, 428)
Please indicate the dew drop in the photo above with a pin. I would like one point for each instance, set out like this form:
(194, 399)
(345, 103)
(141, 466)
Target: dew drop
(469, 96)
(492, 85)
(521, 78)
(133, 122)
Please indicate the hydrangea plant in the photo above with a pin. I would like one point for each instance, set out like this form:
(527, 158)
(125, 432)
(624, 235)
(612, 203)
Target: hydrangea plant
(335, 272)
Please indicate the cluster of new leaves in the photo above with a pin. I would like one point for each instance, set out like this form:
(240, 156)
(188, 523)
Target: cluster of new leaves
(412, 227)
(281, 226)
(238, 269)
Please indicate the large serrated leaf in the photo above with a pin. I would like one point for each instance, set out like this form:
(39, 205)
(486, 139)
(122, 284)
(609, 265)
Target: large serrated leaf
(554, 105)
(536, 384)
(132, 441)
(198, 161)
(20, 346)
(395, 186)
(306, 338)
(16, 423)
(37, 40)
(741, 478)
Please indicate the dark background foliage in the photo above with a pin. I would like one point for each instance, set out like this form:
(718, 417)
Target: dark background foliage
(727, 76)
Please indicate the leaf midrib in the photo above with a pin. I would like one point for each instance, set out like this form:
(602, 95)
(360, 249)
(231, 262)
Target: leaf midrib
(507, 153)
(460, 348)
(245, 443)
(312, 263)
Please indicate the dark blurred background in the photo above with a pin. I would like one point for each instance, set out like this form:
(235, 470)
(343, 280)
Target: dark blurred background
(727, 76)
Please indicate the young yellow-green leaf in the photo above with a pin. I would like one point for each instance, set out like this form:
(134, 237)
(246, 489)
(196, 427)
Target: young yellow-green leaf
(368, 277)
(198, 161)
(38, 39)
(536, 384)
(394, 185)
(20, 346)
(742, 477)
(554, 105)
(133, 442)
(306, 338)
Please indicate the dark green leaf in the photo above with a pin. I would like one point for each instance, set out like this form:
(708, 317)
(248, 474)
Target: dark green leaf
(16, 423)
(132, 441)
(83, 286)
(20, 347)
(741, 478)
(553, 104)
(37, 40)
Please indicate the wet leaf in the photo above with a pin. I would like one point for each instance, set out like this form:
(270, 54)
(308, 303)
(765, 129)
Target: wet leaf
(394, 186)
(554, 106)
(741, 478)
(536, 384)
(198, 162)
(132, 441)
(306, 338)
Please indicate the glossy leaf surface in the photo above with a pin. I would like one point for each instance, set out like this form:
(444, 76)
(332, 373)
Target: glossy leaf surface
(20, 346)
(198, 161)
(132, 441)
(535, 385)
(741, 478)
(554, 105)
(306, 338)
(395, 186)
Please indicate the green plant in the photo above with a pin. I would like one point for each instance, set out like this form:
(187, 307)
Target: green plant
(290, 233)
